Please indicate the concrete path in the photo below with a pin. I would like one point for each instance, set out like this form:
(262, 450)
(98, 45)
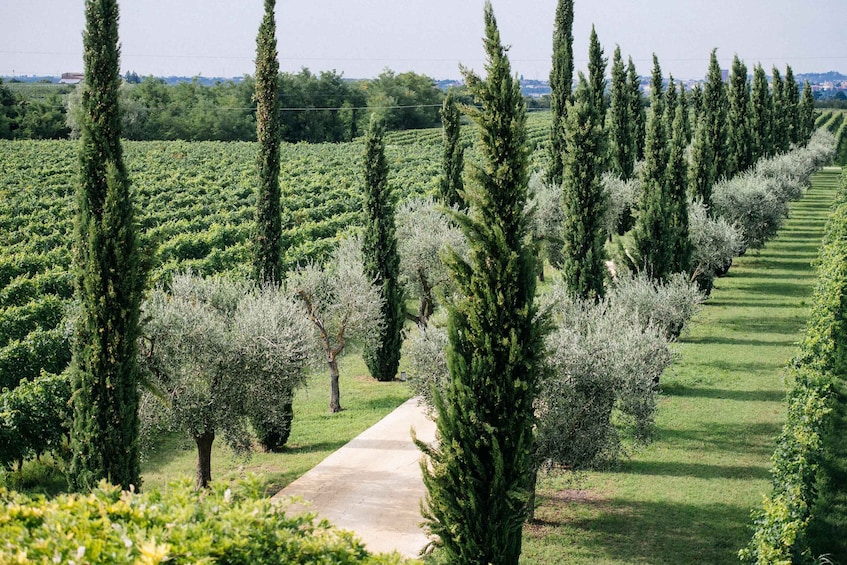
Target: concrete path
(372, 486)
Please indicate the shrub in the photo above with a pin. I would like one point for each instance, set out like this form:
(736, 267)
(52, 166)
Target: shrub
(236, 525)
(714, 241)
(667, 306)
(753, 203)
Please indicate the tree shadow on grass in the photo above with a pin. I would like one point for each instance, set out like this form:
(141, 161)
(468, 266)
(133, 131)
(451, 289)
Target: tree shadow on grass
(695, 470)
(724, 340)
(634, 531)
(673, 389)
(741, 439)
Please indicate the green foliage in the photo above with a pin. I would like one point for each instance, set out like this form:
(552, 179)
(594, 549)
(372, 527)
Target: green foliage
(715, 108)
(780, 127)
(714, 243)
(583, 200)
(561, 80)
(791, 108)
(218, 353)
(34, 418)
(267, 252)
(739, 116)
(236, 524)
(109, 271)
(636, 109)
(761, 116)
(621, 123)
(702, 166)
(805, 516)
(806, 113)
(654, 232)
(380, 257)
(479, 471)
(404, 101)
(677, 205)
(450, 185)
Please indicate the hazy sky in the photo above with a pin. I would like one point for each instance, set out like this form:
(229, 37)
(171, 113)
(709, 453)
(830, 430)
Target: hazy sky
(361, 37)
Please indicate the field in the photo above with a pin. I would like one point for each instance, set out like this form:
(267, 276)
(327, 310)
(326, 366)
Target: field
(195, 208)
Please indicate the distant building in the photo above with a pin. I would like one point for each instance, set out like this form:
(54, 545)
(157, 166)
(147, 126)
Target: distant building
(71, 78)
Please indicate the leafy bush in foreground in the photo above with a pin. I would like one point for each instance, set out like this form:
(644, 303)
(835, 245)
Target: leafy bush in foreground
(221, 525)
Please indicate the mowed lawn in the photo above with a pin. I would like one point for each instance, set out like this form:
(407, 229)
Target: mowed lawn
(687, 497)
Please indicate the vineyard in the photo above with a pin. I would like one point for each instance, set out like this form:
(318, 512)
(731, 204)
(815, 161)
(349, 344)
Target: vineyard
(195, 208)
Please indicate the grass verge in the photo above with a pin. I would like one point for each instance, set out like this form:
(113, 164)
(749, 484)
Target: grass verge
(687, 497)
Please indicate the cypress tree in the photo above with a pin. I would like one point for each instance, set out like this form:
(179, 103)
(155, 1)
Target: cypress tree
(740, 156)
(636, 109)
(653, 234)
(597, 77)
(792, 107)
(715, 110)
(451, 186)
(760, 115)
(480, 470)
(583, 200)
(561, 78)
(697, 101)
(677, 186)
(807, 112)
(109, 274)
(779, 124)
(267, 250)
(702, 171)
(381, 261)
(620, 123)
(671, 102)
(267, 243)
(686, 112)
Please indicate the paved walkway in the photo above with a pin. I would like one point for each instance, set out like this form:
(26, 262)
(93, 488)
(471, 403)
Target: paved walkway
(373, 484)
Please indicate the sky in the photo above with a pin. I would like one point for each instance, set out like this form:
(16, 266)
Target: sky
(361, 38)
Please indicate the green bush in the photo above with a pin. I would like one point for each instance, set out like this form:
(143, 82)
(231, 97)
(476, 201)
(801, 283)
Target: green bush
(47, 350)
(805, 517)
(235, 525)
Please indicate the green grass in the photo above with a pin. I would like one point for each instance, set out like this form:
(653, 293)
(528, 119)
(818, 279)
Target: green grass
(687, 497)
(315, 432)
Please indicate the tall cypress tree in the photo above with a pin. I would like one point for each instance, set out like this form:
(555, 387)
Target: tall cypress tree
(109, 274)
(583, 200)
(807, 112)
(671, 102)
(701, 176)
(697, 101)
(677, 186)
(479, 471)
(636, 109)
(267, 245)
(739, 154)
(792, 107)
(381, 261)
(715, 110)
(597, 76)
(450, 185)
(686, 112)
(760, 115)
(561, 78)
(780, 139)
(620, 123)
(654, 238)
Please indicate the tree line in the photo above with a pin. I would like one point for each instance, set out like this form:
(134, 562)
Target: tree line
(316, 108)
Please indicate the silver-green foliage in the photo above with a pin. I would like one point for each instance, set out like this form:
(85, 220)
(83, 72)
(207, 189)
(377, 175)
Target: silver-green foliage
(604, 368)
(341, 304)
(667, 306)
(621, 197)
(217, 351)
(424, 233)
(714, 241)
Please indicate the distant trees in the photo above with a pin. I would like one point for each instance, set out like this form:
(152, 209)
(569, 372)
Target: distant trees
(109, 273)
(379, 254)
(404, 101)
(479, 472)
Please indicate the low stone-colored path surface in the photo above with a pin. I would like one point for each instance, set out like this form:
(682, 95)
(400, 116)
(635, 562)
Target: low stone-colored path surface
(373, 486)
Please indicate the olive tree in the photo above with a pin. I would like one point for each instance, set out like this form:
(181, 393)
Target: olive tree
(424, 232)
(341, 303)
(219, 353)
